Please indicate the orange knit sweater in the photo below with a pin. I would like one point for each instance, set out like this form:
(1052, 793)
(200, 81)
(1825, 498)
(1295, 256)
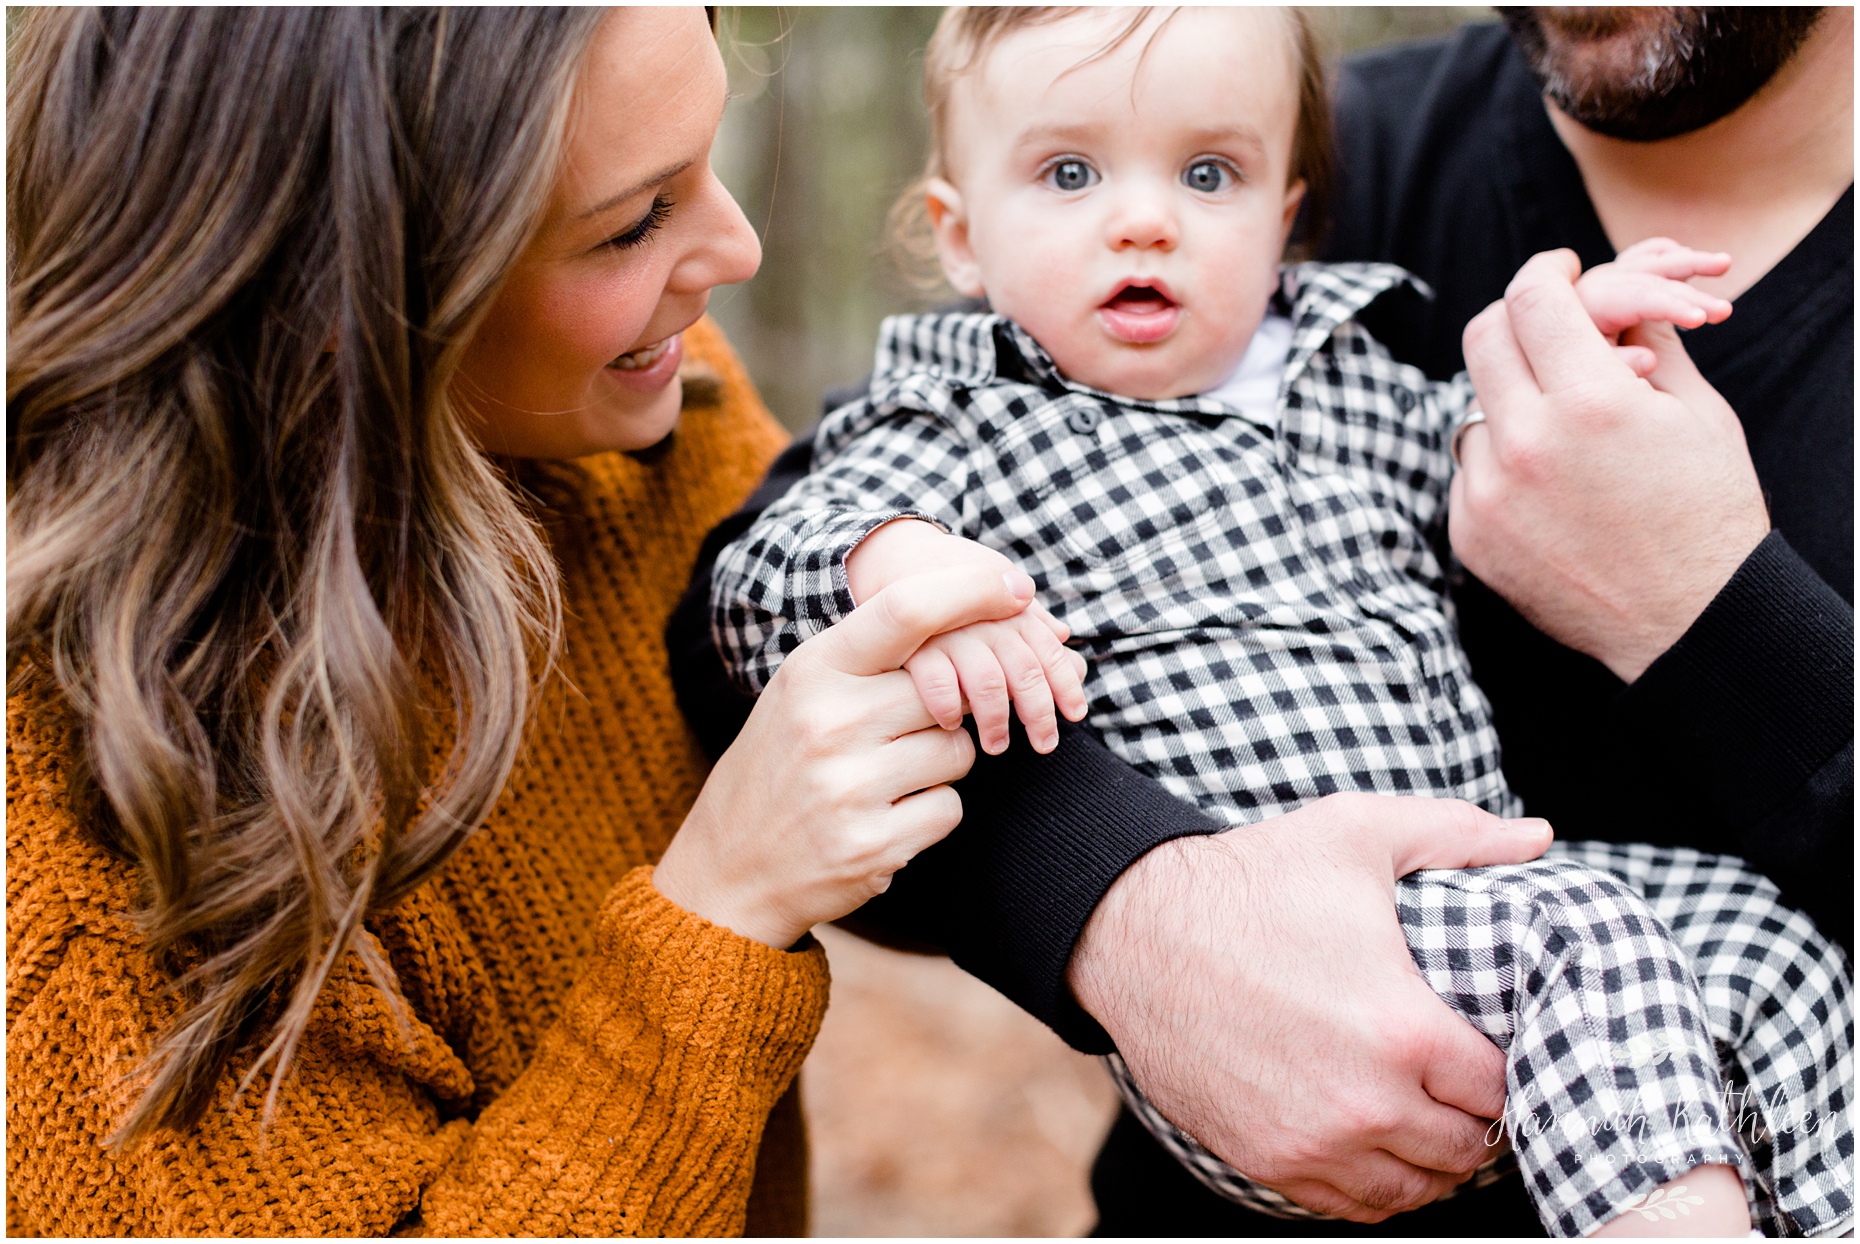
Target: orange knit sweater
(584, 1057)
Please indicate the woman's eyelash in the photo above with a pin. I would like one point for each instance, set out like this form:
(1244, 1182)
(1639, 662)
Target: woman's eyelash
(648, 225)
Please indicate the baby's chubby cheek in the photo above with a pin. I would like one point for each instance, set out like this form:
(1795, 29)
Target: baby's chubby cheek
(1056, 308)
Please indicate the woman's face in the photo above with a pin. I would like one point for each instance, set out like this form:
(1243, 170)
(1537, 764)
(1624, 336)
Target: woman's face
(580, 352)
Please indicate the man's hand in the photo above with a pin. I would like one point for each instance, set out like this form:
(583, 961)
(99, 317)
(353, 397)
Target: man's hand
(1259, 988)
(1607, 509)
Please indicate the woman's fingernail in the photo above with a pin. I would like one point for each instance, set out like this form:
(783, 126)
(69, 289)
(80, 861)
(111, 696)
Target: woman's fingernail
(1018, 584)
(1528, 824)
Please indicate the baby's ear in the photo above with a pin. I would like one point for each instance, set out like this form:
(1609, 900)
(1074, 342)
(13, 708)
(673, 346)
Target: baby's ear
(950, 223)
(1294, 197)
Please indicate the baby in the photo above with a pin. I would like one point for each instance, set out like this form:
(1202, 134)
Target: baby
(1231, 499)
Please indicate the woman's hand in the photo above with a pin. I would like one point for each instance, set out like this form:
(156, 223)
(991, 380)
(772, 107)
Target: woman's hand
(977, 668)
(840, 775)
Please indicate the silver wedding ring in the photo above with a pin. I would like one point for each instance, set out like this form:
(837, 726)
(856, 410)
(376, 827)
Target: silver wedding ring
(1474, 416)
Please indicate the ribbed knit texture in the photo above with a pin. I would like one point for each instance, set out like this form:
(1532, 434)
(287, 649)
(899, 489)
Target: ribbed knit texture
(583, 1056)
(1752, 706)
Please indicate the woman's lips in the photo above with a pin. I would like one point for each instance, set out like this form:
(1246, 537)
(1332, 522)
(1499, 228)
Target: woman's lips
(1139, 315)
(650, 368)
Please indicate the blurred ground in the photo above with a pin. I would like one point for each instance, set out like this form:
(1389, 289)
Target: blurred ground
(936, 1106)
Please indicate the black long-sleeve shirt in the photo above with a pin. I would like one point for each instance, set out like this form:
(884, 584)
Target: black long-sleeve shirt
(1739, 739)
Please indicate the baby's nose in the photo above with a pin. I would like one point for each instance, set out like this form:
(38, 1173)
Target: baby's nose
(1143, 223)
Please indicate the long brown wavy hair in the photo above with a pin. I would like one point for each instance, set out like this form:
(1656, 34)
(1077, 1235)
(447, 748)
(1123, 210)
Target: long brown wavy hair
(295, 615)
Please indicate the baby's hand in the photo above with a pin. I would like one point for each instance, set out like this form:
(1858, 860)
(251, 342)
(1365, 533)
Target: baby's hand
(982, 666)
(1647, 283)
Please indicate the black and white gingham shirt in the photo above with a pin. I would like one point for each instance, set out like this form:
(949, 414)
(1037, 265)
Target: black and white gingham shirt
(1266, 622)
(1262, 611)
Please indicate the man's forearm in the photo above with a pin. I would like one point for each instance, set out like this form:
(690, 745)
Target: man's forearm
(1042, 839)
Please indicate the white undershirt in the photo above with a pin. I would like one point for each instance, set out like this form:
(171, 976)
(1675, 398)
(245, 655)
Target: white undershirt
(1253, 389)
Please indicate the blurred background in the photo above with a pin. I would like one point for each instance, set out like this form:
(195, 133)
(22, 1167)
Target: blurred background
(936, 1106)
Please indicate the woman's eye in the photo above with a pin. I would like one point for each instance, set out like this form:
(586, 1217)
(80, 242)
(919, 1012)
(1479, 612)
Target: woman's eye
(648, 225)
(1072, 175)
(1207, 176)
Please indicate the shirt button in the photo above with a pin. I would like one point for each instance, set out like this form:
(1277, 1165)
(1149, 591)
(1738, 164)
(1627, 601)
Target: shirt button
(1405, 400)
(1084, 420)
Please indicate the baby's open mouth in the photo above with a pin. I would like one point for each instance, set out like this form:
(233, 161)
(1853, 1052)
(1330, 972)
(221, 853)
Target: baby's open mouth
(1139, 313)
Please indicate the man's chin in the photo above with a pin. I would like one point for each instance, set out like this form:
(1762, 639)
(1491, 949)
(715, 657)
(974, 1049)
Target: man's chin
(1646, 74)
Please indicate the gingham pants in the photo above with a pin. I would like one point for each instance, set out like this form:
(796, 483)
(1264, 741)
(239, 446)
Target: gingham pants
(1659, 1009)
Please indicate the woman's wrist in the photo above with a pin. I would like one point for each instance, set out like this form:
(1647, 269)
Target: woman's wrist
(694, 884)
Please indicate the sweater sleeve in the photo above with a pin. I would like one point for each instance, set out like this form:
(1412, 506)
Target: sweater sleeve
(639, 1113)
(1755, 704)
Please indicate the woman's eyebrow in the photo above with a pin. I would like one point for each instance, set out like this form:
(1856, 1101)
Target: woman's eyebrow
(638, 187)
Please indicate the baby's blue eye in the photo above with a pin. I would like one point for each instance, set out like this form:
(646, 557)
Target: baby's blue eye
(1207, 176)
(1072, 175)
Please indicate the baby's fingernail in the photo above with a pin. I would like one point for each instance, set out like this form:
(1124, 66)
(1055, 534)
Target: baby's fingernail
(1019, 585)
(1529, 825)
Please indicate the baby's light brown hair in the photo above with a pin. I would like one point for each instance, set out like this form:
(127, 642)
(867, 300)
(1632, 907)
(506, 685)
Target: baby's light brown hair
(968, 33)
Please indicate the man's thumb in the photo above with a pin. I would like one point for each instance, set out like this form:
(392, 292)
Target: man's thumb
(1450, 833)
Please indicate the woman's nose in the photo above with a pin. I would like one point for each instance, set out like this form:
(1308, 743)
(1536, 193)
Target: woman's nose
(727, 250)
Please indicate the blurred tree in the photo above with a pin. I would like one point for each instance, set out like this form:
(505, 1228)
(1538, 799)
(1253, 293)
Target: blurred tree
(825, 129)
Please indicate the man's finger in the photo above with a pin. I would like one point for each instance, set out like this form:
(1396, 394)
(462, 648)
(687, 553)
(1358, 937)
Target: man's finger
(1378, 1186)
(1447, 1139)
(1551, 325)
(1451, 833)
(1501, 375)
(1463, 1069)
(1674, 371)
(882, 634)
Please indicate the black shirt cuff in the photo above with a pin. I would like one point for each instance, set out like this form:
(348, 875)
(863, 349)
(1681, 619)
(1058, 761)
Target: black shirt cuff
(1758, 694)
(1041, 841)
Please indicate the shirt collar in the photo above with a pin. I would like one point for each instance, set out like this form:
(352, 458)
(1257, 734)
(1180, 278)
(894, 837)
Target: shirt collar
(972, 349)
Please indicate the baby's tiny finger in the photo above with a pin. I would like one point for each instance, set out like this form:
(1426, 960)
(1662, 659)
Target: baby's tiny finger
(1060, 630)
(1639, 359)
(1027, 678)
(1065, 671)
(934, 676)
(984, 685)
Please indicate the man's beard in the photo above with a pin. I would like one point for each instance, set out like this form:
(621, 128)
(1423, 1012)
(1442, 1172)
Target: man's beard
(1645, 74)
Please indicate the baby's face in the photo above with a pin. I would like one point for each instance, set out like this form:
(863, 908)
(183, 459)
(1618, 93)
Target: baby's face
(1129, 212)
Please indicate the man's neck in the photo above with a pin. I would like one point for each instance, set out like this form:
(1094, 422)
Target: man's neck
(1753, 183)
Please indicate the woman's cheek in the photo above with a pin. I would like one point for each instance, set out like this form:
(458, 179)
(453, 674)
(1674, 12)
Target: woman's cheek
(598, 318)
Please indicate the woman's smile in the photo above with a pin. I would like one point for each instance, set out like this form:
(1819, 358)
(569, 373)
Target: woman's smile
(651, 368)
